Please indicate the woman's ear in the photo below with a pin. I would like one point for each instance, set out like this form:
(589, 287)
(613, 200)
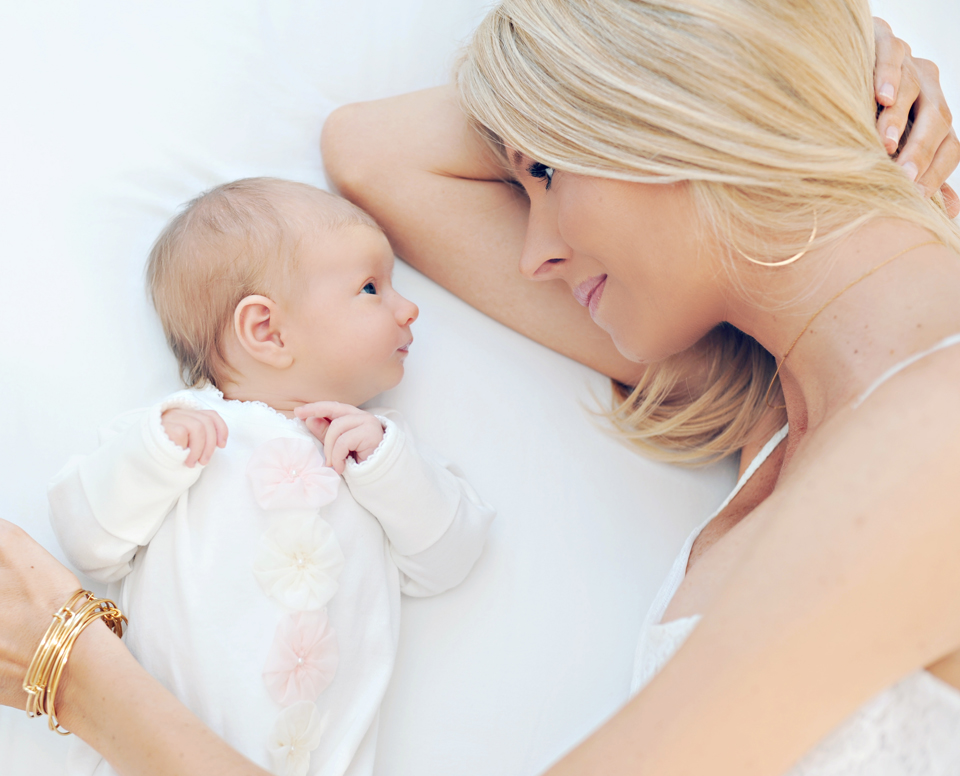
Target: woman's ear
(256, 322)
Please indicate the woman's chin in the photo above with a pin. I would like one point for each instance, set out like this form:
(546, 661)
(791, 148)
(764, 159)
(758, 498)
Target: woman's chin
(645, 351)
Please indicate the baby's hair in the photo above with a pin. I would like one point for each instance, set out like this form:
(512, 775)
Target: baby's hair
(234, 240)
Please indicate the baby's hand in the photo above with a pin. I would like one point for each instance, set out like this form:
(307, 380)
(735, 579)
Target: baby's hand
(344, 430)
(199, 431)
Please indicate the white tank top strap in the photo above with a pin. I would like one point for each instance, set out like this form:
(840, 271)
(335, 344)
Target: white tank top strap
(679, 568)
(946, 342)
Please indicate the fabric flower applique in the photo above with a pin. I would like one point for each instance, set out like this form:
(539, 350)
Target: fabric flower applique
(303, 658)
(295, 735)
(290, 473)
(299, 563)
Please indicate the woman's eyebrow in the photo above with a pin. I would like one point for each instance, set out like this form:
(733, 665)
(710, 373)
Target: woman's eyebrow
(516, 159)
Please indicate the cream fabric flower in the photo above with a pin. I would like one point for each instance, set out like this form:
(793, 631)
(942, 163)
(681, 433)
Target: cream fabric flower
(289, 473)
(299, 563)
(295, 735)
(303, 658)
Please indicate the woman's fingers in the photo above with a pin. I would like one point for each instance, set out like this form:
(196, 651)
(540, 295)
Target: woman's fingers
(951, 200)
(892, 121)
(943, 163)
(910, 87)
(890, 54)
(932, 127)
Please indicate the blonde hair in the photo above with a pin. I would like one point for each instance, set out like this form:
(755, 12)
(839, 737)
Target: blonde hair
(765, 107)
(237, 239)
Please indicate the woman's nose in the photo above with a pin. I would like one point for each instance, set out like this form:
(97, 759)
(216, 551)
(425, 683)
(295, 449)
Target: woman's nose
(544, 251)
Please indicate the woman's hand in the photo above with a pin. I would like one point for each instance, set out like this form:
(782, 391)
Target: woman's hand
(33, 587)
(931, 151)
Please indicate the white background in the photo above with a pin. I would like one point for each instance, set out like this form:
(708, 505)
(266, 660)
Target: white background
(115, 113)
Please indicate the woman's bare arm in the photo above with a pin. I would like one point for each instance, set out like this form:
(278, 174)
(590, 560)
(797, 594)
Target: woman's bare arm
(849, 583)
(114, 705)
(106, 697)
(417, 167)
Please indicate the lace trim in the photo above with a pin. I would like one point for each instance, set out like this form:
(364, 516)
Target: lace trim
(260, 406)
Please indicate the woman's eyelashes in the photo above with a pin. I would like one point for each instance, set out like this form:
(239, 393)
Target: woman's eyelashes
(541, 171)
(369, 288)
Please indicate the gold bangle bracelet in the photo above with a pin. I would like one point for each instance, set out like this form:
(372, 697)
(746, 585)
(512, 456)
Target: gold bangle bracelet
(49, 661)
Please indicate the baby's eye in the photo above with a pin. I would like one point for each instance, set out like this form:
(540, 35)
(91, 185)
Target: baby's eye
(370, 288)
(540, 170)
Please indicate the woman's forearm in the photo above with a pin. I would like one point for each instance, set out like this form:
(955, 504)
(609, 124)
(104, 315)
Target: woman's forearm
(416, 166)
(105, 697)
(113, 704)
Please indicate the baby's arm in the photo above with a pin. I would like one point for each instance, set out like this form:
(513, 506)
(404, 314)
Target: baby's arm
(106, 505)
(435, 522)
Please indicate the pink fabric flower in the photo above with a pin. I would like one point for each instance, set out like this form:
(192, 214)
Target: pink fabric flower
(289, 473)
(303, 658)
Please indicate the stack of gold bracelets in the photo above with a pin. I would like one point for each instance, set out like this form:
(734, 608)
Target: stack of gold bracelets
(49, 661)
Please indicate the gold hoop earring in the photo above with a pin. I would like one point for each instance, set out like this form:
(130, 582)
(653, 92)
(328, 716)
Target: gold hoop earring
(785, 262)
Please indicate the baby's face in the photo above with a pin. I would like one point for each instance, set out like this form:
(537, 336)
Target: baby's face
(349, 329)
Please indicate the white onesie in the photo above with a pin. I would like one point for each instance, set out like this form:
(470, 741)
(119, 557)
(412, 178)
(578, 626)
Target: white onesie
(262, 589)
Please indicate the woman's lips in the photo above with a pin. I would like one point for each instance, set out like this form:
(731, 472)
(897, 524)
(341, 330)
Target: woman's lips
(588, 293)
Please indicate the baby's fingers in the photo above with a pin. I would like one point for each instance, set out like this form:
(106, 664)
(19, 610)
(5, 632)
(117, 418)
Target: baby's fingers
(196, 440)
(345, 444)
(325, 409)
(331, 440)
(210, 438)
(318, 427)
(221, 427)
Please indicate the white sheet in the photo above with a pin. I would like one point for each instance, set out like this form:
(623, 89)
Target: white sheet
(114, 114)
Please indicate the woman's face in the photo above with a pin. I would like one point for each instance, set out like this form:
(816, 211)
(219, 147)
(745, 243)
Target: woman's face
(630, 252)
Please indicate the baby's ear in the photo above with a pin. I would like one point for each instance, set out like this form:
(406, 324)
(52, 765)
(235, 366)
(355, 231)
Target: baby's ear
(256, 322)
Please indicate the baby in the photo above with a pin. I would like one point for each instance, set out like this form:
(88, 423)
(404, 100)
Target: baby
(261, 576)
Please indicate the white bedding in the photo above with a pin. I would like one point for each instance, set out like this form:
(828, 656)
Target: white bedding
(114, 114)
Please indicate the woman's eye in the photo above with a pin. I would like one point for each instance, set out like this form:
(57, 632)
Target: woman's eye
(370, 288)
(540, 170)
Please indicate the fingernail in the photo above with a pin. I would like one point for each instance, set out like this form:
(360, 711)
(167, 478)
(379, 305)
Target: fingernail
(887, 91)
(892, 134)
(910, 170)
(922, 189)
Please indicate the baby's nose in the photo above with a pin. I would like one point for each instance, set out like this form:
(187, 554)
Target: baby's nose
(407, 312)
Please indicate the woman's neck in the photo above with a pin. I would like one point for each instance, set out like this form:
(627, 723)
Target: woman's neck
(857, 318)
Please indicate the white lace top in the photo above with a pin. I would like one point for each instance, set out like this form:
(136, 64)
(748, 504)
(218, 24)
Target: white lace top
(909, 729)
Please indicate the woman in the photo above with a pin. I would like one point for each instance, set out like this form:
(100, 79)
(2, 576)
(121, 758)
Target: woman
(704, 177)
(107, 699)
